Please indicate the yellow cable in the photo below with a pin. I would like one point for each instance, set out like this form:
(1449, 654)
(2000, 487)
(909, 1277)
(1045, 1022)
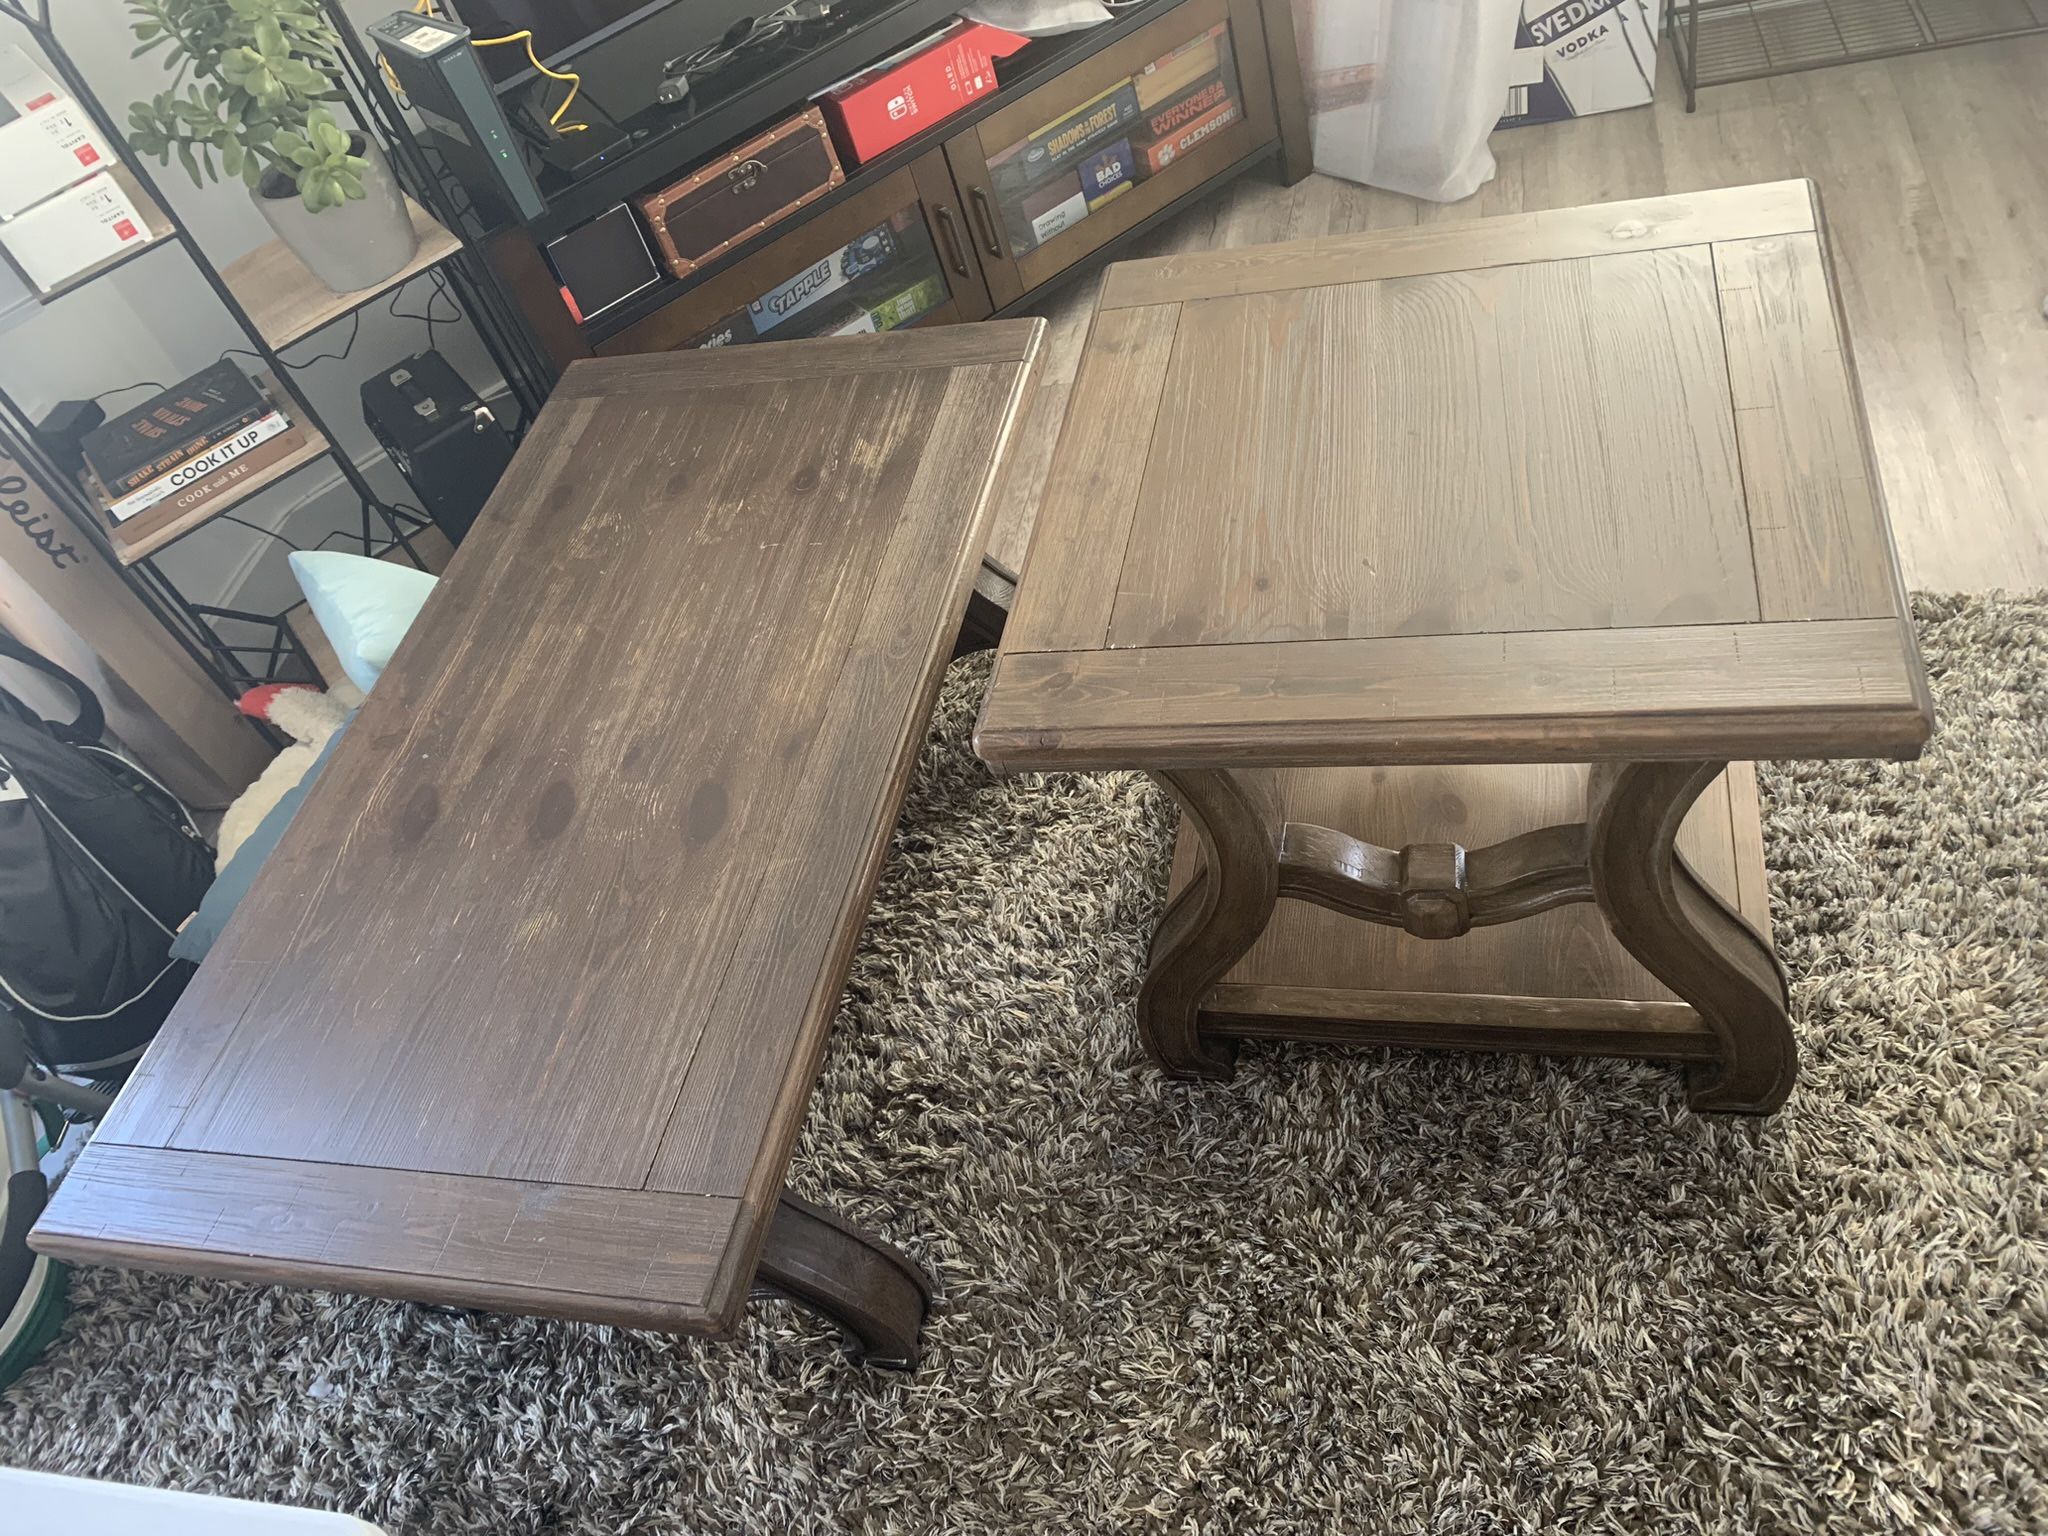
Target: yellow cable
(525, 35)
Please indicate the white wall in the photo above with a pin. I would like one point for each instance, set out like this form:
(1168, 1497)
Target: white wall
(156, 318)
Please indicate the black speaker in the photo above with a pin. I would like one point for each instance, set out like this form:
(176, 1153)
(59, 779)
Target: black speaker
(444, 440)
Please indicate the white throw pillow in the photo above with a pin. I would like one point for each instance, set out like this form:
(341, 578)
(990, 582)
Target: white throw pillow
(364, 606)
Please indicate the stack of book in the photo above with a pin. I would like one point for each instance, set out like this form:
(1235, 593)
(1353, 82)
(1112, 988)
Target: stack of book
(154, 464)
(877, 281)
(1184, 98)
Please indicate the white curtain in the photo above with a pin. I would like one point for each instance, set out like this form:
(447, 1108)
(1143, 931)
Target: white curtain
(1402, 93)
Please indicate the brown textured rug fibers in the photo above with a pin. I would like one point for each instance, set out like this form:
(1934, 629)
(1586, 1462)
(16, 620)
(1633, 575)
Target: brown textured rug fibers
(1371, 1291)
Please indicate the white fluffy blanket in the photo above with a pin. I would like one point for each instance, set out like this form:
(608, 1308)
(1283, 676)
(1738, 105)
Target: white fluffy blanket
(307, 716)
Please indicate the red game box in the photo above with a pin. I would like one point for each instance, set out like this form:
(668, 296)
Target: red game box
(1161, 153)
(886, 103)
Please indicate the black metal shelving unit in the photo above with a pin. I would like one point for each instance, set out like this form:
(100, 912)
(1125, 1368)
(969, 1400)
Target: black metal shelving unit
(1718, 42)
(240, 648)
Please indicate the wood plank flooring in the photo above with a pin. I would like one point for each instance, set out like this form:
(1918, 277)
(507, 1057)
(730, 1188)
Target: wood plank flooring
(1936, 195)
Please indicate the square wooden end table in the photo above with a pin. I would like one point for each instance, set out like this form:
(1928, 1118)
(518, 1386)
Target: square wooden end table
(1446, 578)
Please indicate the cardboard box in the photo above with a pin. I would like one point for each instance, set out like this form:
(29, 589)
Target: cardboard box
(850, 322)
(1169, 117)
(822, 278)
(1163, 152)
(17, 300)
(919, 299)
(24, 85)
(874, 111)
(1058, 205)
(1579, 57)
(1108, 172)
(1170, 76)
(735, 330)
(44, 151)
(1071, 137)
(76, 229)
(1038, 159)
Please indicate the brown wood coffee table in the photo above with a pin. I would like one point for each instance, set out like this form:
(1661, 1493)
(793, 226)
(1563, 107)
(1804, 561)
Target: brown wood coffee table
(524, 1011)
(1440, 575)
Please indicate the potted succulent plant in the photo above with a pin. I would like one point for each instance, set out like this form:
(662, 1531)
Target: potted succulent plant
(252, 88)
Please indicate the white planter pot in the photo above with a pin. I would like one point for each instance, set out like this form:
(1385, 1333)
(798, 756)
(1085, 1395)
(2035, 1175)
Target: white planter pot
(354, 246)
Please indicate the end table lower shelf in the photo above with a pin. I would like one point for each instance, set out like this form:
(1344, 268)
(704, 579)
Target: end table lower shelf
(1555, 982)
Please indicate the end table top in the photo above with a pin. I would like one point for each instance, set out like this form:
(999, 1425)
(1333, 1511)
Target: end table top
(1575, 485)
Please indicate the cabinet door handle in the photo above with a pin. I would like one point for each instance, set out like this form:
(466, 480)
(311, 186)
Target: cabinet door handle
(985, 215)
(949, 237)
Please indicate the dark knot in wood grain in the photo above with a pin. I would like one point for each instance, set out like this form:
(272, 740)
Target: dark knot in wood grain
(421, 810)
(707, 812)
(1436, 890)
(553, 812)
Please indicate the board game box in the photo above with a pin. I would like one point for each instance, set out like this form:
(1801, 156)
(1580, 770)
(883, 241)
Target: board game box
(1163, 152)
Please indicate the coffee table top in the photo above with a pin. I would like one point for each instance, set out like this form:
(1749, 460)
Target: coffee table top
(525, 1008)
(1584, 484)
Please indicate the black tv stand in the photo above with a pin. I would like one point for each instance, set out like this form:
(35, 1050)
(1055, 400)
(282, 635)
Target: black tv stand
(936, 191)
(621, 78)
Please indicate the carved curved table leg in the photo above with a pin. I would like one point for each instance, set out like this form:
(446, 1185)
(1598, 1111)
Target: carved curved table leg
(873, 1290)
(1685, 935)
(1215, 917)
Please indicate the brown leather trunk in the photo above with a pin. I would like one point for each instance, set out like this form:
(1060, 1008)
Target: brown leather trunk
(738, 195)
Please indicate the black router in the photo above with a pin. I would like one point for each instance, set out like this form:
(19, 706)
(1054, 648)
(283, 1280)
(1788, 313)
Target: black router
(441, 76)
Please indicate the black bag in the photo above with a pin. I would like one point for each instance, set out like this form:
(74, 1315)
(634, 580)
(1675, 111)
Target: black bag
(99, 864)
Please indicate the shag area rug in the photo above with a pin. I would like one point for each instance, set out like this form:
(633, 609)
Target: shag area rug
(1371, 1292)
